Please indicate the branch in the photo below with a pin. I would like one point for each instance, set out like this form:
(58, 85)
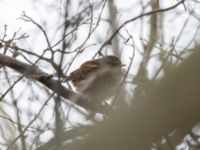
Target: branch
(33, 72)
(109, 41)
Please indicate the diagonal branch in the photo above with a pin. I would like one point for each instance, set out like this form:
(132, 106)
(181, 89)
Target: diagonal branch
(33, 72)
(109, 40)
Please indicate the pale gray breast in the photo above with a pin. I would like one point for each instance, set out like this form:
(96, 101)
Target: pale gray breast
(103, 84)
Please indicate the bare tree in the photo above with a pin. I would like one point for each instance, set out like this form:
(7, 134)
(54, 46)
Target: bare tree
(157, 104)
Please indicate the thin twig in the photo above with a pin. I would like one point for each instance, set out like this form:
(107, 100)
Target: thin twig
(31, 122)
(109, 41)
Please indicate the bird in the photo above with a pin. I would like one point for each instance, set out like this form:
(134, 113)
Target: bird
(98, 79)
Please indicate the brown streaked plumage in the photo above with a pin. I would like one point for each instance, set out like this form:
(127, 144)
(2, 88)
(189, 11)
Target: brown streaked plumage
(86, 69)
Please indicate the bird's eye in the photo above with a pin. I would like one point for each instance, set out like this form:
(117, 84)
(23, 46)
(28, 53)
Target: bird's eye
(115, 63)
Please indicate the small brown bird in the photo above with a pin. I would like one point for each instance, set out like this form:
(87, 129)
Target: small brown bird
(98, 79)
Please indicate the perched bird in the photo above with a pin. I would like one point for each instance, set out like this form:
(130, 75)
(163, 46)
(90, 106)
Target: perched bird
(98, 79)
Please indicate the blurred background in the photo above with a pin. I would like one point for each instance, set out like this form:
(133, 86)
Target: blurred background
(57, 36)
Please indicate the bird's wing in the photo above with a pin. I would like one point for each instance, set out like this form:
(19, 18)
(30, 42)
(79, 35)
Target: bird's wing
(84, 71)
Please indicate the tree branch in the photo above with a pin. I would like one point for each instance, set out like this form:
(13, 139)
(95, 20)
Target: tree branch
(109, 40)
(33, 72)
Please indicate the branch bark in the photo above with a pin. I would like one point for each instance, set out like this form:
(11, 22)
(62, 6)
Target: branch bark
(33, 72)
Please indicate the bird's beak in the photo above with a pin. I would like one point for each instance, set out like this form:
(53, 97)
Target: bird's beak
(122, 65)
